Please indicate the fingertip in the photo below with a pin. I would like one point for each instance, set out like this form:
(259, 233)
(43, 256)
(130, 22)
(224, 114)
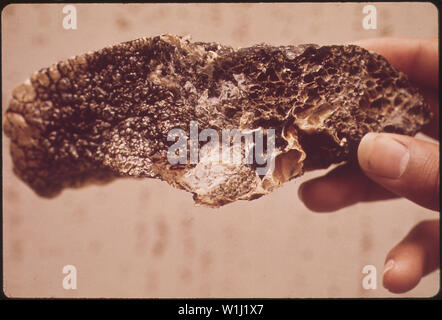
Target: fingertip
(300, 191)
(343, 186)
(308, 194)
(320, 195)
(365, 148)
(400, 281)
(406, 166)
(414, 257)
(403, 272)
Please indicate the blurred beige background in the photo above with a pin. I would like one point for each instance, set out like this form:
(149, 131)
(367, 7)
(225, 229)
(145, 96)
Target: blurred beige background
(143, 238)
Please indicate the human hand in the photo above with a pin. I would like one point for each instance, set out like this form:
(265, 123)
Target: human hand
(401, 166)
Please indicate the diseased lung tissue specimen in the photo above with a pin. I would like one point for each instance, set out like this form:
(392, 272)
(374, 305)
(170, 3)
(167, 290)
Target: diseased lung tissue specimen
(107, 114)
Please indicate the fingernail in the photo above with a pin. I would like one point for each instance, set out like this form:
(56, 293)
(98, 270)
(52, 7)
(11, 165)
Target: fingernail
(388, 266)
(383, 155)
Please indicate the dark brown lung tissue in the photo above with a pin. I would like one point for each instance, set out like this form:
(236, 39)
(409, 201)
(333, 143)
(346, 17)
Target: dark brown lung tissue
(107, 114)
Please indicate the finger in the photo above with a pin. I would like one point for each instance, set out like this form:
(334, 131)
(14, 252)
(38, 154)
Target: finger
(406, 166)
(341, 187)
(418, 58)
(414, 257)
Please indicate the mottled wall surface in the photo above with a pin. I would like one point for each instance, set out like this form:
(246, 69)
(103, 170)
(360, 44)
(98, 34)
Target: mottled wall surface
(143, 238)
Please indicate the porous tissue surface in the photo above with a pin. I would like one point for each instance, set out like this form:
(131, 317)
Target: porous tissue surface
(107, 114)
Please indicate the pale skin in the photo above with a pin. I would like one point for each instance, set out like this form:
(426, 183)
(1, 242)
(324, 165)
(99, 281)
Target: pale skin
(407, 167)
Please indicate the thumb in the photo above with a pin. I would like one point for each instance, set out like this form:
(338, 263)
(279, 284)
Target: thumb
(404, 165)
